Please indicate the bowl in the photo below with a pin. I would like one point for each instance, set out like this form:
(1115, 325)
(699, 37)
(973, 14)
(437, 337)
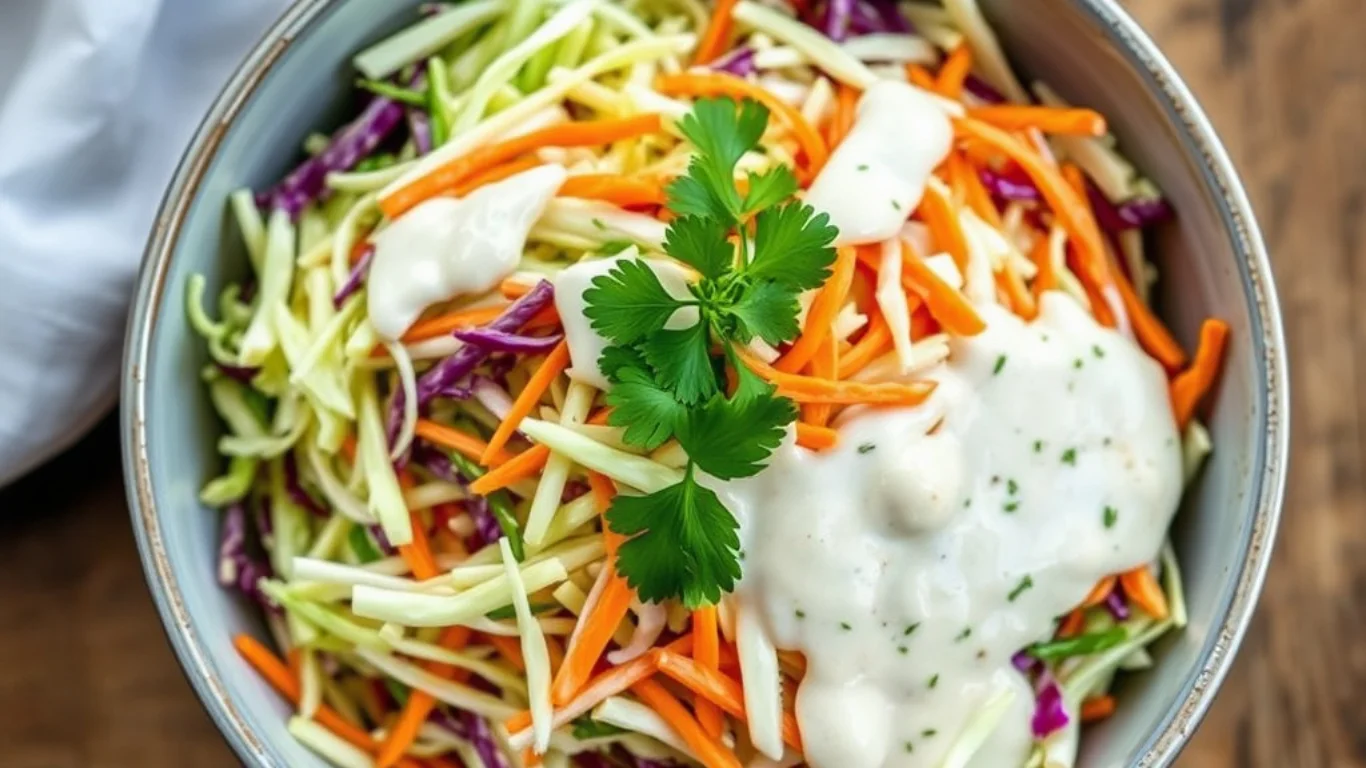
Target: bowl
(1212, 259)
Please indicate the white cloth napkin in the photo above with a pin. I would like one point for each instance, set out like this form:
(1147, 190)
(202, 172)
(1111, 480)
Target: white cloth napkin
(98, 99)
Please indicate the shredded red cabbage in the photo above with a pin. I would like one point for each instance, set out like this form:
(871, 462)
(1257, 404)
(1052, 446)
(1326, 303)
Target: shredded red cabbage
(1003, 187)
(353, 143)
(296, 491)
(892, 20)
(461, 364)
(1117, 604)
(381, 541)
(237, 569)
(864, 19)
(1050, 716)
(1024, 662)
(1131, 214)
(983, 90)
(500, 341)
(356, 278)
(420, 127)
(739, 62)
(480, 736)
(237, 373)
(837, 19)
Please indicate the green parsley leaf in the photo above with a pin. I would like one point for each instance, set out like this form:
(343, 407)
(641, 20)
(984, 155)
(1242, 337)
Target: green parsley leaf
(767, 310)
(613, 247)
(792, 246)
(769, 189)
(628, 302)
(683, 543)
(700, 242)
(648, 411)
(614, 359)
(730, 438)
(722, 133)
(682, 359)
(586, 728)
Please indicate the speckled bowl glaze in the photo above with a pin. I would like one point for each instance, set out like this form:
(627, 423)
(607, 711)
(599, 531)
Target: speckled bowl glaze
(1212, 260)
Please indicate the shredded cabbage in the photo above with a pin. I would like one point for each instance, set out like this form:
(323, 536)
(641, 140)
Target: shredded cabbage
(762, 684)
(983, 723)
(534, 653)
(425, 38)
(337, 750)
(452, 693)
(634, 471)
(422, 610)
(821, 50)
(277, 272)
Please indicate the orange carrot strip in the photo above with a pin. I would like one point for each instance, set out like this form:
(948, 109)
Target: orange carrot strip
(1191, 385)
(417, 553)
(1097, 708)
(1100, 591)
(1070, 208)
(456, 440)
(940, 216)
(706, 652)
(556, 654)
(609, 683)
(513, 289)
(955, 72)
(604, 490)
(876, 342)
(1021, 300)
(595, 632)
(268, 666)
(948, 305)
(1091, 281)
(717, 83)
(443, 325)
(720, 690)
(1064, 120)
(716, 38)
(526, 401)
(805, 389)
(846, 107)
(712, 752)
(1141, 586)
(977, 196)
(1046, 279)
(1152, 334)
(495, 174)
(358, 250)
(823, 366)
(816, 438)
(821, 316)
(919, 76)
(420, 703)
(523, 465)
(510, 648)
(1072, 624)
(460, 169)
(613, 188)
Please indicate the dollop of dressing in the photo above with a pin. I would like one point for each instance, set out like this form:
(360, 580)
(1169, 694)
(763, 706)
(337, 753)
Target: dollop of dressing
(877, 175)
(911, 562)
(447, 247)
(585, 344)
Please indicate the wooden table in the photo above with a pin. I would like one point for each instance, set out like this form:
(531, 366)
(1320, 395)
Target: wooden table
(88, 679)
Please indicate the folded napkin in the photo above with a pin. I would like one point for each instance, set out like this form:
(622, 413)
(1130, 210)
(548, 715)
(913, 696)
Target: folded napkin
(98, 98)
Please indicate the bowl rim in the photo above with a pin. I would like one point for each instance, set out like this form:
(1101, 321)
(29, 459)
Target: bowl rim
(1198, 138)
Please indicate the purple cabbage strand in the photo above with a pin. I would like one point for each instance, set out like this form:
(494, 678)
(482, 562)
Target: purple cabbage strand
(1050, 715)
(512, 343)
(356, 278)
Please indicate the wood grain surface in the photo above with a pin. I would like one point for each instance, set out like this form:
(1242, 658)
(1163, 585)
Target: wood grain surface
(88, 678)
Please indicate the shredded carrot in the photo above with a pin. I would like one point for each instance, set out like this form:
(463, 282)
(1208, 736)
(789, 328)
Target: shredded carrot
(846, 107)
(794, 662)
(465, 167)
(821, 317)
(495, 174)
(624, 191)
(1072, 624)
(525, 464)
(1097, 708)
(526, 401)
(595, 632)
(512, 288)
(1070, 208)
(1141, 587)
(955, 72)
(510, 648)
(358, 250)
(706, 651)
(717, 37)
(1191, 385)
(975, 192)
(420, 703)
(268, 666)
(876, 342)
(608, 683)
(823, 366)
(816, 438)
(711, 752)
(945, 228)
(457, 441)
(1012, 282)
(1063, 120)
(720, 690)
(1100, 592)
(1152, 334)
(1046, 278)
(603, 490)
(921, 77)
(443, 325)
(417, 553)
(805, 389)
(718, 83)
(948, 304)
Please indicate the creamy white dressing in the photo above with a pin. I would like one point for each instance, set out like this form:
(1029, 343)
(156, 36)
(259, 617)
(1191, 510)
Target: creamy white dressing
(447, 247)
(911, 562)
(876, 177)
(585, 344)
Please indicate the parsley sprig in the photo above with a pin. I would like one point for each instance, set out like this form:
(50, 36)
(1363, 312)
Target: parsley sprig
(755, 251)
